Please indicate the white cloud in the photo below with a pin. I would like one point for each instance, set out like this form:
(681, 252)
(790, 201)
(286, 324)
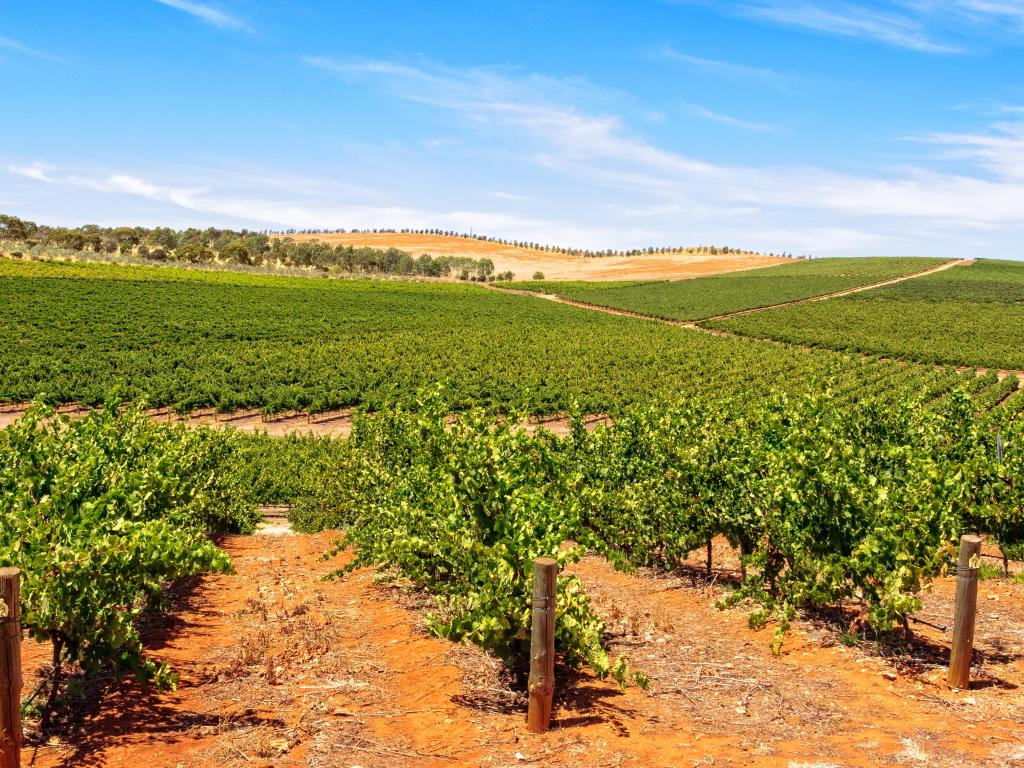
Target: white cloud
(510, 196)
(927, 26)
(980, 12)
(990, 107)
(816, 239)
(224, 201)
(852, 20)
(7, 44)
(733, 122)
(1000, 151)
(717, 67)
(208, 199)
(208, 14)
(592, 180)
(35, 171)
(599, 149)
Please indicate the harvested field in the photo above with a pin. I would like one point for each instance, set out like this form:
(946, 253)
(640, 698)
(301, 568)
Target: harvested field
(524, 262)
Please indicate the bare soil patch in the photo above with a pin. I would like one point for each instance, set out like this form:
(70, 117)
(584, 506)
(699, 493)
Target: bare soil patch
(326, 424)
(281, 668)
(555, 266)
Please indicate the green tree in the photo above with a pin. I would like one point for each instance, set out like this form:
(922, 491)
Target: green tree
(484, 269)
(194, 253)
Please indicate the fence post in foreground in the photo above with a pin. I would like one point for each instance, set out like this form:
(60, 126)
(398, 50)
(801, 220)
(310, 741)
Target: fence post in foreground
(964, 612)
(542, 645)
(10, 668)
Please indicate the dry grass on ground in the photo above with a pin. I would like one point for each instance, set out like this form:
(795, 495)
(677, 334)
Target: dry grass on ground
(525, 261)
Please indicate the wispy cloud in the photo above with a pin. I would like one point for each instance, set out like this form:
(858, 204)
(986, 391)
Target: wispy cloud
(979, 12)
(598, 149)
(208, 14)
(207, 197)
(594, 178)
(721, 68)
(35, 171)
(733, 122)
(927, 26)
(1000, 150)
(850, 20)
(482, 90)
(7, 44)
(990, 107)
(222, 197)
(499, 195)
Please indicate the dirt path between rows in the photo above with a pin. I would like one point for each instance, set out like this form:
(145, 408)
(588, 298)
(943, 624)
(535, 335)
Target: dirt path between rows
(327, 424)
(281, 668)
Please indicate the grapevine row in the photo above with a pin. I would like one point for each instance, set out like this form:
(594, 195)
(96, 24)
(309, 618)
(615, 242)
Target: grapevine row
(828, 502)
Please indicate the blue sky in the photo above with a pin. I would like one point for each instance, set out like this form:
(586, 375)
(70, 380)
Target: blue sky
(835, 128)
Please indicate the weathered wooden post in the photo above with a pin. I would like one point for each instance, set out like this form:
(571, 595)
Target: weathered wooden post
(711, 561)
(542, 645)
(964, 612)
(10, 668)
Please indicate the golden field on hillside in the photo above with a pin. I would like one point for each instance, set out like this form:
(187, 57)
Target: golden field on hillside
(524, 262)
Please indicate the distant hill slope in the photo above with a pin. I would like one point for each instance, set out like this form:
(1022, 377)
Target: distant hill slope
(524, 262)
(970, 316)
(722, 294)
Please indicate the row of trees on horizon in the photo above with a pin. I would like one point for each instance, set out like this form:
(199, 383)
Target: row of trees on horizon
(713, 250)
(243, 247)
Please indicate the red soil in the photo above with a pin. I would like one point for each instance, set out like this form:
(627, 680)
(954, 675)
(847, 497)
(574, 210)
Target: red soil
(327, 424)
(280, 668)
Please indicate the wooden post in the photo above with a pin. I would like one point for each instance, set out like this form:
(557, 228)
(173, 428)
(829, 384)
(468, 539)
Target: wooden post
(10, 668)
(542, 645)
(964, 612)
(710, 560)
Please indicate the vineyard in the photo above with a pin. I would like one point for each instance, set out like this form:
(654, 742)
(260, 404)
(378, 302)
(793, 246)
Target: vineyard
(827, 501)
(512, 384)
(832, 503)
(195, 340)
(965, 316)
(810, 485)
(720, 294)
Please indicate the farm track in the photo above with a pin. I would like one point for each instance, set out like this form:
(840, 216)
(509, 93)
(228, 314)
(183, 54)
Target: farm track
(845, 291)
